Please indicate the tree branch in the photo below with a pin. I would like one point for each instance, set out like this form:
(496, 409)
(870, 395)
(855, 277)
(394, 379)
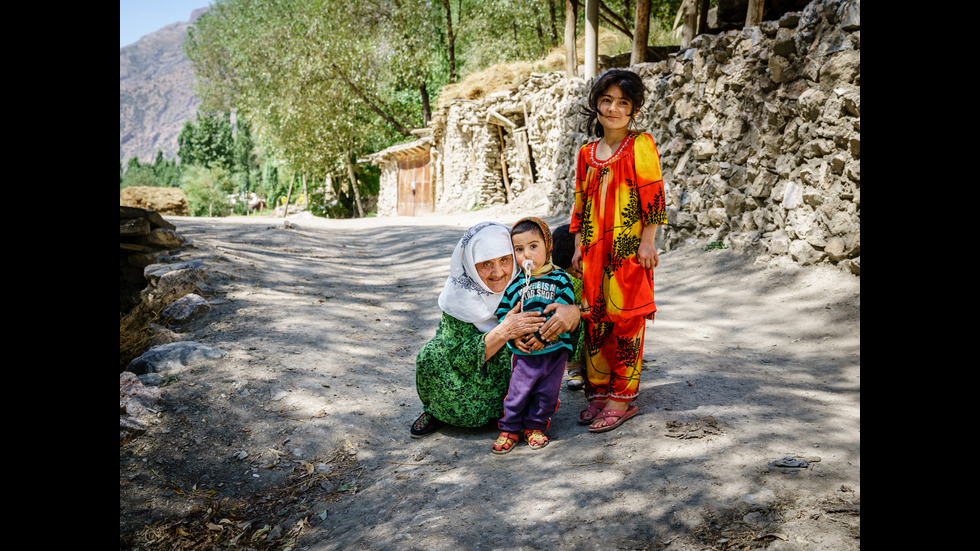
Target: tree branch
(399, 126)
(618, 25)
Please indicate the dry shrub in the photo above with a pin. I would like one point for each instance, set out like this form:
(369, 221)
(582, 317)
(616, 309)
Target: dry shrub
(505, 75)
(135, 333)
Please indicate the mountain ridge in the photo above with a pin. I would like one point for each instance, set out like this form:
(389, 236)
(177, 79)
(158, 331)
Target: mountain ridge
(156, 92)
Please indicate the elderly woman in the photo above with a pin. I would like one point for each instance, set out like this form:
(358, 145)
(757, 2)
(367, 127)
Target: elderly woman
(462, 374)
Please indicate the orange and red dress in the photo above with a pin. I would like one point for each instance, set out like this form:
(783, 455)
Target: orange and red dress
(614, 199)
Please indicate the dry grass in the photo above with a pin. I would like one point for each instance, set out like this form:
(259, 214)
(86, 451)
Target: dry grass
(135, 333)
(502, 76)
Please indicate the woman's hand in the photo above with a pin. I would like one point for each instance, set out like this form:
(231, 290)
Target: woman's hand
(564, 319)
(518, 324)
(514, 325)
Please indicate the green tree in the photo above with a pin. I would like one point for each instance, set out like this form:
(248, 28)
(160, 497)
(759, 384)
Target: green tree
(207, 190)
(166, 172)
(316, 83)
(209, 142)
(161, 172)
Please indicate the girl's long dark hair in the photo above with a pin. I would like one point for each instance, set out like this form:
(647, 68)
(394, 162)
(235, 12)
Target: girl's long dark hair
(631, 85)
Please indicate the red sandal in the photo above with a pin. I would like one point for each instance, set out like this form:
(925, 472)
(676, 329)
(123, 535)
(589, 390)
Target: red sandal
(535, 439)
(505, 442)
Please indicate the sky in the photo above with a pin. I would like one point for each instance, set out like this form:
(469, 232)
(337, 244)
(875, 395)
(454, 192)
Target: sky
(138, 18)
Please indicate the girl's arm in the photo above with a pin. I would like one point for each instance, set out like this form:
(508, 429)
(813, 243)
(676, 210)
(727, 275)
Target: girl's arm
(576, 268)
(646, 254)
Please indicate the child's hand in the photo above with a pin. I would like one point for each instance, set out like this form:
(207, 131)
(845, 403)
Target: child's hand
(533, 343)
(521, 344)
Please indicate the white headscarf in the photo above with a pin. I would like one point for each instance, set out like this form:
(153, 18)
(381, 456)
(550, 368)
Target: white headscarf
(466, 297)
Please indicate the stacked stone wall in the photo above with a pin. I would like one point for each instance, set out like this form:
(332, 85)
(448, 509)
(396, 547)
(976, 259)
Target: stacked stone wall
(758, 130)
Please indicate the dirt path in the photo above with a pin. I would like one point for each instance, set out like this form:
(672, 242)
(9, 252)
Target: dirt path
(298, 438)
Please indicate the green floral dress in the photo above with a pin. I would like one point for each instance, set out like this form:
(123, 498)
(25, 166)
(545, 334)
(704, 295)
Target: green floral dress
(454, 382)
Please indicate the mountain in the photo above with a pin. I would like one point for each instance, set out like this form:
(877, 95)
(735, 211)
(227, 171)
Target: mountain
(156, 92)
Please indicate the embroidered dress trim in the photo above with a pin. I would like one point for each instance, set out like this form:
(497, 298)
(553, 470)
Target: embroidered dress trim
(622, 146)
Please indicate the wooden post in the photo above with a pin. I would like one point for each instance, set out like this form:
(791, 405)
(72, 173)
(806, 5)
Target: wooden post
(288, 195)
(353, 185)
(703, 16)
(641, 32)
(688, 13)
(591, 39)
(571, 55)
(503, 164)
(753, 15)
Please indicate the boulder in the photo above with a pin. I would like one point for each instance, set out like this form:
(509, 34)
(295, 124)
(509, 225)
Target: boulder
(172, 356)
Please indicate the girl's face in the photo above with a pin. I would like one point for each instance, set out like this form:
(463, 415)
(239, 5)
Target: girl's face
(615, 109)
(496, 272)
(530, 246)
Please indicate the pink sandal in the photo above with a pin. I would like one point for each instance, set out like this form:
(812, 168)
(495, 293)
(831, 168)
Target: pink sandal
(622, 415)
(593, 410)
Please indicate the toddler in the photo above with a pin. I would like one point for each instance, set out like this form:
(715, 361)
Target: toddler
(538, 366)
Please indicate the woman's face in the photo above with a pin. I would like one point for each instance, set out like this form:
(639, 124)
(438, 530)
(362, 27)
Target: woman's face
(615, 109)
(496, 272)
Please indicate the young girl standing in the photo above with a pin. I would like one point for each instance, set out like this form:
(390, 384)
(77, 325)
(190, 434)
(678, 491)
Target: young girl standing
(619, 202)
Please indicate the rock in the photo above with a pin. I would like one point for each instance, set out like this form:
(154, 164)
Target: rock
(703, 149)
(779, 243)
(163, 238)
(804, 253)
(758, 501)
(169, 282)
(136, 403)
(792, 195)
(186, 308)
(172, 356)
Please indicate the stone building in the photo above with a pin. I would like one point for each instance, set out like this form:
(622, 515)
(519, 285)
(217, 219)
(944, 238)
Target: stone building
(758, 130)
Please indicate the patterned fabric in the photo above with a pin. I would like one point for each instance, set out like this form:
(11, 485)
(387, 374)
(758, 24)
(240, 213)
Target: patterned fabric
(555, 286)
(614, 199)
(613, 360)
(452, 379)
(578, 334)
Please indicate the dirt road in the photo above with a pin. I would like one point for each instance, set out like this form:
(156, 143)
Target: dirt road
(748, 438)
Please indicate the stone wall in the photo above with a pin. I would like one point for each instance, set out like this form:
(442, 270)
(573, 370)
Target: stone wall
(758, 129)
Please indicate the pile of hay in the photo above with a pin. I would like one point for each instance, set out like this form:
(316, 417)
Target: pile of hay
(502, 76)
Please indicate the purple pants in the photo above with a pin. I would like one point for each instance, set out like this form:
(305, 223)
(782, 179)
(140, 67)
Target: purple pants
(533, 394)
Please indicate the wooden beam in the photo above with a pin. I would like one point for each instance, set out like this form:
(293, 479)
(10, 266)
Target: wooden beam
(591, 38)
(641, 26)
(571, 56)
(753, 15)
(503, 166)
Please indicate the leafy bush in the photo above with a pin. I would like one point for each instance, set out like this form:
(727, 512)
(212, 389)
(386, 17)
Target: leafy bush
(207, 190)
